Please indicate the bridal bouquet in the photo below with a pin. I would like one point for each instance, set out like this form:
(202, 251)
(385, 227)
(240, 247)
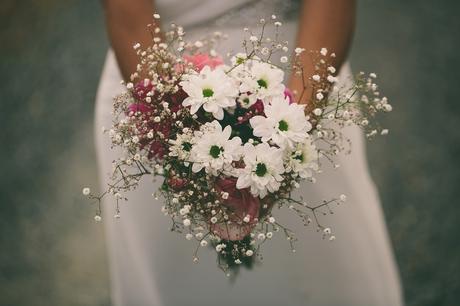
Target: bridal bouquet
(228, 139)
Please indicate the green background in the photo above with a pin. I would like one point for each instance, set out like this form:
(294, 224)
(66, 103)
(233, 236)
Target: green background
(51, 55)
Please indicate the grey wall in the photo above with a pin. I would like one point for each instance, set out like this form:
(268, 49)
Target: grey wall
(414, 46)
(52, 253)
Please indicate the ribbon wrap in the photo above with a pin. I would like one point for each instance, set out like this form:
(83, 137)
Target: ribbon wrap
(241, 204)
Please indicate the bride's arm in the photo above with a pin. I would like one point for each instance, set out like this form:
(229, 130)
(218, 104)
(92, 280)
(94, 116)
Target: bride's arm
(324, 23)
(127, 22)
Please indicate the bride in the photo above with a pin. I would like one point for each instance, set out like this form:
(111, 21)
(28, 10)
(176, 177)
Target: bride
(151, 266)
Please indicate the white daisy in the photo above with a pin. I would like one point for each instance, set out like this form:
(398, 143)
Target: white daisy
(264, 81)
(285, 124)
(214, 150)
(239, 67)
(212, 89)
(238, 59)
(181, 146)
(263, 169)
(302, 159)
(246, 101)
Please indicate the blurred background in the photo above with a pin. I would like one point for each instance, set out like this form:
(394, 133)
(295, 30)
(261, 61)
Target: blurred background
(51, 55)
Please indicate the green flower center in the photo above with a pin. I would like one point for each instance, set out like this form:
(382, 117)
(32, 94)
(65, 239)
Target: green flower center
(239, 60)
(215, 151)
(283, 126)
(262, 83)
(299, 157)
(208, 92)
(186, 146)
(261, 169)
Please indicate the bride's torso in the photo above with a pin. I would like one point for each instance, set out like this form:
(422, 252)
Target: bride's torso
(147, 255)
(169, 254)
(177, 277)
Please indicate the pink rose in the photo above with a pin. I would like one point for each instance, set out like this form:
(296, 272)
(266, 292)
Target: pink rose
(200, 60)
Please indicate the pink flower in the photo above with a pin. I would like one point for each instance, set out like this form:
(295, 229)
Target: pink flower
(140, 107)
(243, 204)
(175, 100)
(288, 94)
(141, 89)
(156, 150)
(143, 112)
(257, 109)
(200, 60)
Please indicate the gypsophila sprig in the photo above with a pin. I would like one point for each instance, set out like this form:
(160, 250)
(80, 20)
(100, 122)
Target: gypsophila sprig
(230, 142)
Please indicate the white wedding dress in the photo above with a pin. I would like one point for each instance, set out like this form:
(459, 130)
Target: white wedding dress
(149, 265)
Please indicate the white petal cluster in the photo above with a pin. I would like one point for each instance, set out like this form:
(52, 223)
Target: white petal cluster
(214, 150)
(181, 146)
(262, 80)
(246, 101)
(263, 169)
(285, 124)
(303, 159)
(212, 89)
(238, 59)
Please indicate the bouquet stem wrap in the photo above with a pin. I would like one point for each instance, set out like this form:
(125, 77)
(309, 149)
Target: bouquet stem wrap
(243, 205)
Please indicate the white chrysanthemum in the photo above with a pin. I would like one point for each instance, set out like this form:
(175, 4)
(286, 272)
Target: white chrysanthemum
(264, 81)
(238, 59)
(302, 159)
(239, 67)
(214, 150)
(263, 169)
(285, 124)
(212, 89)
(181, 146)
(246, 101)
